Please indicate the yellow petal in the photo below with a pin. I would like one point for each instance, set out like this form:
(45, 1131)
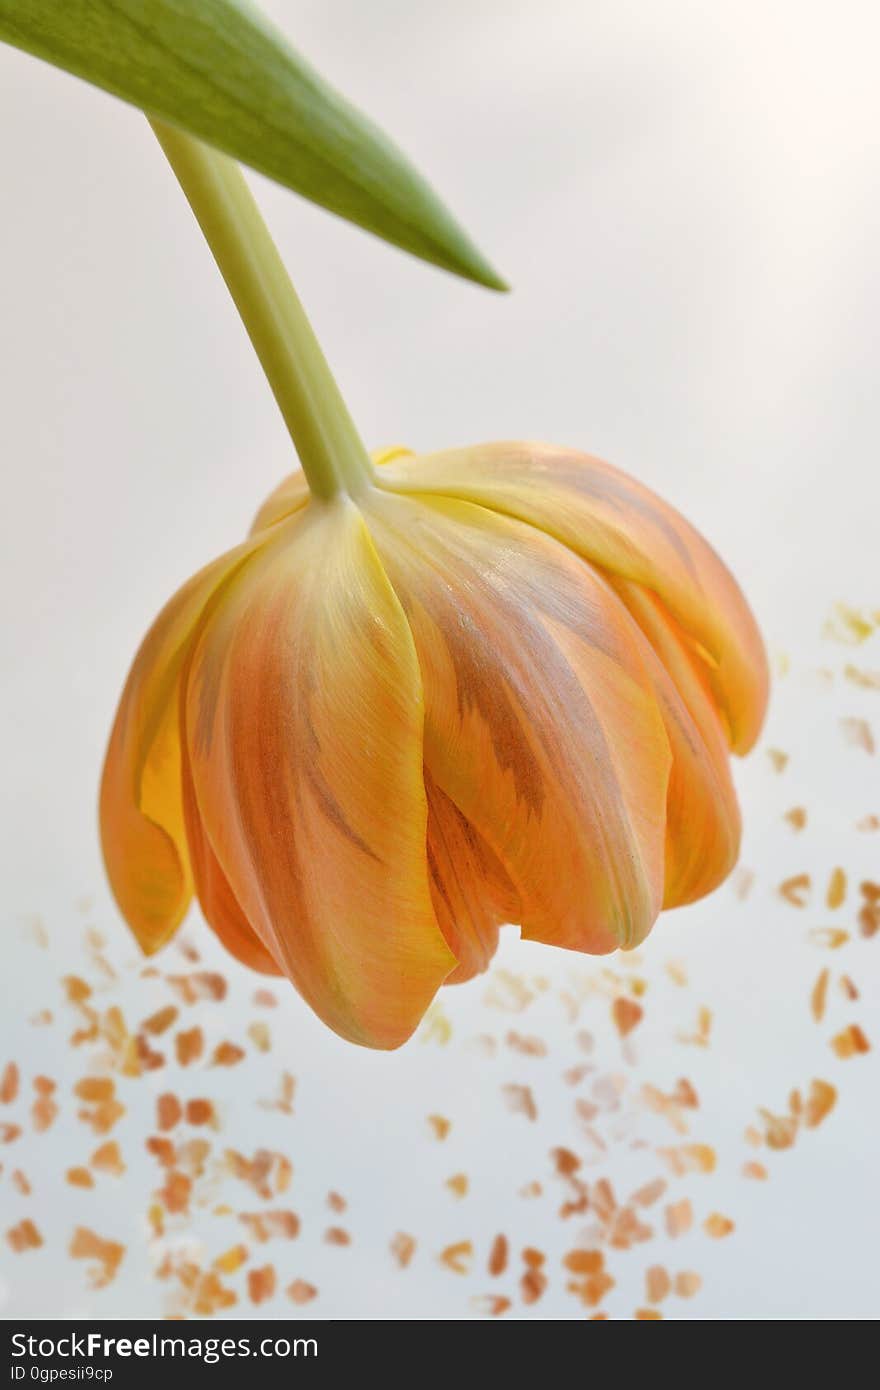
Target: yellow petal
(541, 723)
(304, 723)
(624, 529)
(141, 808)
(293, 492)
(289, 496)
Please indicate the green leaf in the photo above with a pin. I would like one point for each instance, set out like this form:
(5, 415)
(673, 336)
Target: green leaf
(221, 71)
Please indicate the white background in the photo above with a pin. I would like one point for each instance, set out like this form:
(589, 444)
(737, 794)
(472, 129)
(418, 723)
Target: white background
(686, 200)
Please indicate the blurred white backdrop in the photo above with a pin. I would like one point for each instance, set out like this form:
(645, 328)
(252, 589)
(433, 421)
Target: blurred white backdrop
(686, 200)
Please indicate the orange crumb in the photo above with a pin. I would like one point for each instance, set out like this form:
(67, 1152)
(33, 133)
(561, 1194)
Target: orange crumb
(781, 1130)
(199, 1112)
(260, 1036)
(836, 894)
(189, 1045)
(498, 1256)
(80, 1177)
(336, 1235)
(704, 1027)
(264, 1225)
(440, 1125)
(108, 1159)
(532, 1285)
(820, 1101)
(754, 1170)
(796, 890)
(831, 937)
(231, 1259)
(527, 1046)
(679, 1217)
(657, 1284)
(626, 1014)
(77, 990)
(687, 1283)
(851, 1042)
(202, 984)
(261, 1283)
(301, 1292)
(717, 1226)
(176, 1192)
(227, 1054)
(102, 1116)
(857, 733)
(24, 1236)
(169, 1111)
(819, 996)
(95, 1088)
(86, 1245)
(584, 1261)
(650, 1193)
(160, 1021)
(267, 1172)
(403, 1247)
(286, 1092)
(520, 1101)
(44, 1112)
(9, 1083)
(163, 1149)
(677, 973)
(458, 1257)
(492, 1304)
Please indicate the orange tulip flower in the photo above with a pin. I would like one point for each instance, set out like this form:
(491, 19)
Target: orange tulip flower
(426, 698)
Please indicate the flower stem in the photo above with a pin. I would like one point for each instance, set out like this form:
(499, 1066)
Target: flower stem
(333, 458)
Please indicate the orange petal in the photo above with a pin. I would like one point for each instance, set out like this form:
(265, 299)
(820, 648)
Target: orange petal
(625, 529)
(702, 814)
(541, 724)
(471, 892)
(218, 902)
(141, 808)
(305, 716)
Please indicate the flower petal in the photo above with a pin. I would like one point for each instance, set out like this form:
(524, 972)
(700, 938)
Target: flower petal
(141, 809)
(290, 496)
(471, 892)
(624, 529)
(305, 722)
(702, 814)
(292, 492)
(541, 724)
(221, 908)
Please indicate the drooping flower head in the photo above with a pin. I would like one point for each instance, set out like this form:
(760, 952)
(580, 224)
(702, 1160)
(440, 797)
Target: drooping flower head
(428, 696)
(500, 684)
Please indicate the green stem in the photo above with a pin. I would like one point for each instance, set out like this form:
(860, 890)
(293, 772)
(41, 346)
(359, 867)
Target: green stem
(333, 458)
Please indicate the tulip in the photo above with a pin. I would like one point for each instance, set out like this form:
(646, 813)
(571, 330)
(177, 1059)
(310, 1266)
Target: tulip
(428, 696)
